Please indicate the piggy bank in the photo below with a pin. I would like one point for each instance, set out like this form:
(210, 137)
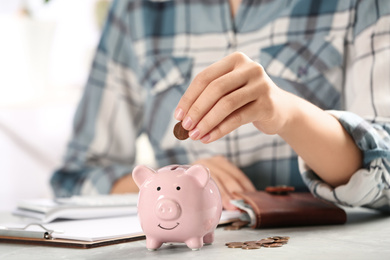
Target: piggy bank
(177, 203)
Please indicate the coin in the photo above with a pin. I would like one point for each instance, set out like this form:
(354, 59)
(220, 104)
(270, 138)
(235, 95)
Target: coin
(280, 239)
(231, 243)
(235, 245)
(179, 132)
(231, 228)
(248, 247)
(240, 223)
(279, 190)
(265, 241)
(250, 242)
(275, 237)
(273, 245)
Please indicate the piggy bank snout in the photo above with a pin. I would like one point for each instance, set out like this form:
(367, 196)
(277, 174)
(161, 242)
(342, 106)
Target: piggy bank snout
(167, 209)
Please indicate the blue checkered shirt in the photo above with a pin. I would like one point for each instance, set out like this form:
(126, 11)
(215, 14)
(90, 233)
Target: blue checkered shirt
(336, 54)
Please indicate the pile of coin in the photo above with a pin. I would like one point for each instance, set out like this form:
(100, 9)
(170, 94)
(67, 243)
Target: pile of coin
(270, 242)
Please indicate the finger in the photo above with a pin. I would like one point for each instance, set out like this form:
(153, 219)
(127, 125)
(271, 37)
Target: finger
(234, 180)
(228, 206)
(224, 180)
(225, 195)
(225, 107)
(227, 177)
(231, 178)
(239, 176)
(200, 82)
(212, 94)
(239, 117)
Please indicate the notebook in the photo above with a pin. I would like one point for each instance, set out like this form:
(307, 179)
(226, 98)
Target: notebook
(78, 207)
(84, 232)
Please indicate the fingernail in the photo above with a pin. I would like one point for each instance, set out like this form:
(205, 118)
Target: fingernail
(194, 134)
(187, 123)
(179, 114)
(205, 138)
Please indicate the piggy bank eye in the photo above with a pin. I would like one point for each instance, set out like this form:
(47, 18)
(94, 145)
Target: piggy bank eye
(158, 188)
(178, 188)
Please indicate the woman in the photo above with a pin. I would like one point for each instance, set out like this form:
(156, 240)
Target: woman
(257, 84)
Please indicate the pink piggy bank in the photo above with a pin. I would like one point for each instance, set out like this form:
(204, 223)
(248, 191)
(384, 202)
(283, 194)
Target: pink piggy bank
(178, 203)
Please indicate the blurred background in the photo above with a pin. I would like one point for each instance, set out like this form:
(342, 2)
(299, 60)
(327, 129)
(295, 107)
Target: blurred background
(46, 49)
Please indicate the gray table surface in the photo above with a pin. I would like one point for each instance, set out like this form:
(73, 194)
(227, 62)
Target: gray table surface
(366, 235)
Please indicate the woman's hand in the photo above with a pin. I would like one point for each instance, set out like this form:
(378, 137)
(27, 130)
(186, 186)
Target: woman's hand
(228, 178)
(229, 93)
(125, 184)
(235, 91)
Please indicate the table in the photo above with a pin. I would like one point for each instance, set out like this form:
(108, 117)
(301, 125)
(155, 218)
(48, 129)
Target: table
(366, 235)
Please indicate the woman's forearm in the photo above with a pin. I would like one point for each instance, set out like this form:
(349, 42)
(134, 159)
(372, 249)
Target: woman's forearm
(322, 142)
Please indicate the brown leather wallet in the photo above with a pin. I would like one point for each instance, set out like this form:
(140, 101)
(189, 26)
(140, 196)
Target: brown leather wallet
(291, 209)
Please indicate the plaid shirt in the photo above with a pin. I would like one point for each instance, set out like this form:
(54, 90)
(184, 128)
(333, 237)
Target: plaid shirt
(336, 54)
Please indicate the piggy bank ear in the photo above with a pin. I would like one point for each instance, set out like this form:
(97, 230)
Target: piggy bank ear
(200, 173)
(141, 173)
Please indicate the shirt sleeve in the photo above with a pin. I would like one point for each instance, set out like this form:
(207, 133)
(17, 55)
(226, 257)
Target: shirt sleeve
(370, 185)
(368, 96)
(108, 118)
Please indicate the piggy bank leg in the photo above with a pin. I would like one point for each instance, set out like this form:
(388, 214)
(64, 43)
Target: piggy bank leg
(195, 243)
(209, 238)
(152, 244)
